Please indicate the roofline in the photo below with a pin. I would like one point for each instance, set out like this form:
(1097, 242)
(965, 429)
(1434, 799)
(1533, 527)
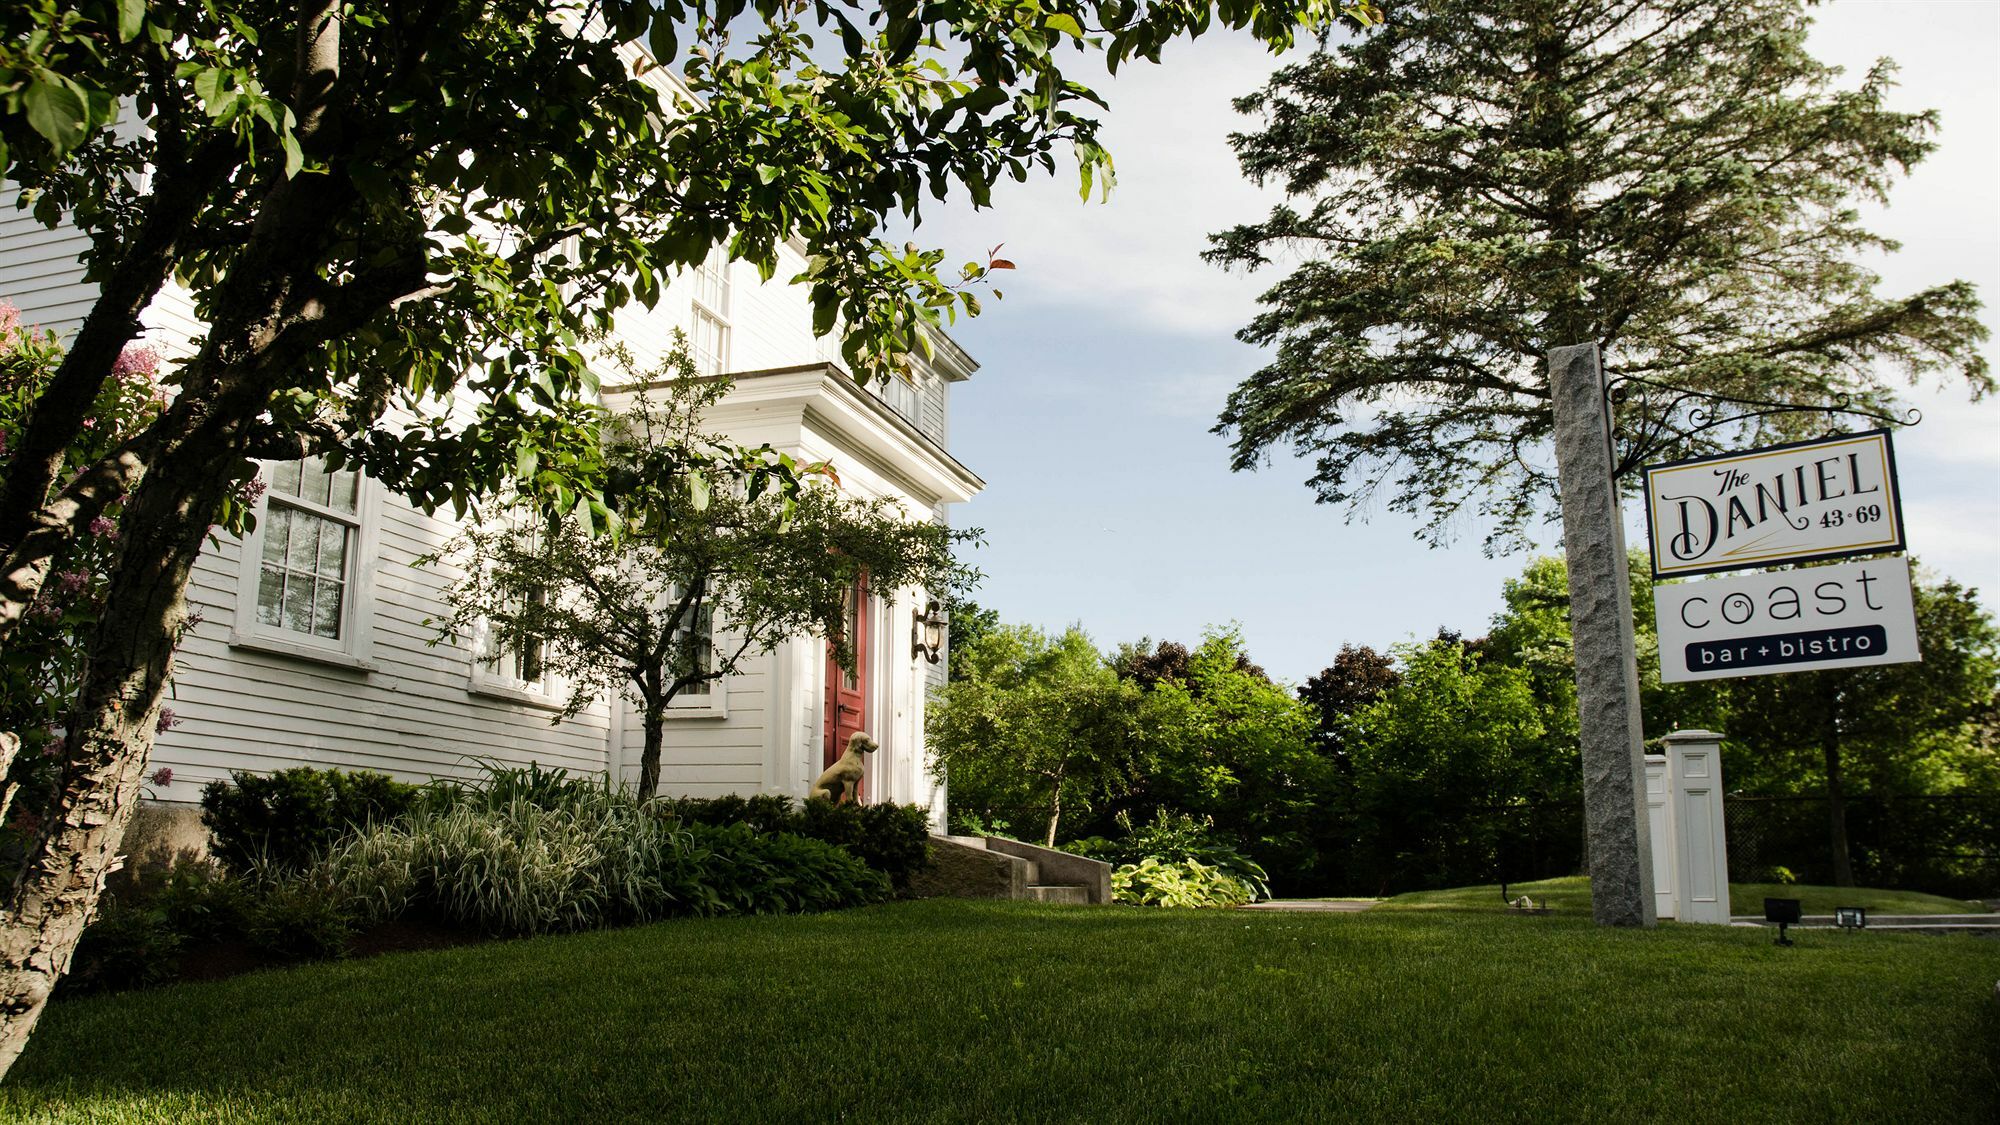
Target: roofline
(834, 373)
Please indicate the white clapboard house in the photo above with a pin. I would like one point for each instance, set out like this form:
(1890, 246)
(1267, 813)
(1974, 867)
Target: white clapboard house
(315, 650)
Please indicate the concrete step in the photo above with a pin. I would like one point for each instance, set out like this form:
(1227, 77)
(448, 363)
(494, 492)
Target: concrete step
(1074, 893)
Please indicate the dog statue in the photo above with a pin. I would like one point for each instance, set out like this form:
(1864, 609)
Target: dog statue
(842, 780)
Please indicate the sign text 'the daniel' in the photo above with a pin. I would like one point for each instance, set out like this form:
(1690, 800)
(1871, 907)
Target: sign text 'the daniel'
(1825, 499)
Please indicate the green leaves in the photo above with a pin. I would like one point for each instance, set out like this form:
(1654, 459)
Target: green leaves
(57, 109)
(131, 19)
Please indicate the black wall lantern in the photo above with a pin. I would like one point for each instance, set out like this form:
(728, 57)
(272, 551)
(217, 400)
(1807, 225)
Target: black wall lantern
(927, 632)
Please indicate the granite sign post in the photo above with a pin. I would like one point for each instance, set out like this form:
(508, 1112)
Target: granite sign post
(1607, 672)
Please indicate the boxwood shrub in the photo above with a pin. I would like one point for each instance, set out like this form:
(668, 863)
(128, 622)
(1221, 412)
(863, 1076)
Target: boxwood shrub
(286, 820)
(890, 838)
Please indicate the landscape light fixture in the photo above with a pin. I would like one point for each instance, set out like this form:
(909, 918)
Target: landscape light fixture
(1783, 911)
(1851, 917)
(927, 633)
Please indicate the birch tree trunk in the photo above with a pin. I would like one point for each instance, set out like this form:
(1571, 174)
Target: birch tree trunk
(110, 736)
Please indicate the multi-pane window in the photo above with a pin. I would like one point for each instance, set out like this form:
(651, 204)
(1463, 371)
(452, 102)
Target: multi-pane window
(851, 601)
(701, 619)
(708, 335)
(711, 282)
(708, 344)
(305, 573)
(513, 659)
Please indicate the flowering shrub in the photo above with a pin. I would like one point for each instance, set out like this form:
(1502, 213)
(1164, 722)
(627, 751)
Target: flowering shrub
(43, 665)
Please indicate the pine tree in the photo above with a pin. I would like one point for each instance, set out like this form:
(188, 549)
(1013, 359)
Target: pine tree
(1471, 185)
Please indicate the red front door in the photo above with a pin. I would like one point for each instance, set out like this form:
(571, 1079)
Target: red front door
(847, 692)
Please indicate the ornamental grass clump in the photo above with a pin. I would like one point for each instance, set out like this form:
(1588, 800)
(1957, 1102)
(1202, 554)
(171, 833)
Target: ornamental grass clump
(515, 867)
(593, 857)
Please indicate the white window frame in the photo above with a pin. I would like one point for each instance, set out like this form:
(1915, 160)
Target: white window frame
(354, 649)
(488, 676)
(715, 267)
(714, 703)
(489, 670)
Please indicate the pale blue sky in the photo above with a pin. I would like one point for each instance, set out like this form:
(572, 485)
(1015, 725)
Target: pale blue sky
(1110, 503)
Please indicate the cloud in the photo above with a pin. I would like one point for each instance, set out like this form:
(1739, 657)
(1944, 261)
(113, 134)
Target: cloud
(1135, 261)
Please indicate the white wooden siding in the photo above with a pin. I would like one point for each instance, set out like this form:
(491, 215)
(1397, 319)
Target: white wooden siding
(411, 713)
(40, 273)
(931, 410)
(413, 716)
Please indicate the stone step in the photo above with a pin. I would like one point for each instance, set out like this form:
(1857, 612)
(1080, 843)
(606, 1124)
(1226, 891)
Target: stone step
(1073, 893)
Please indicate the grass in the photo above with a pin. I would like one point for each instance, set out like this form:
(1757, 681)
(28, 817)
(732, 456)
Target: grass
(958, 1011)
(1571, 895)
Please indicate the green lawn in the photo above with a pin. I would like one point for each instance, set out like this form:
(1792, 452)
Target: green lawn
(1571, 895)
(974, 1012)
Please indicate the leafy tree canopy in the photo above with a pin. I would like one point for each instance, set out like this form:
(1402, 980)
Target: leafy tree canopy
(401, 221)
(1357, 676)
(1227, 744)
(1037, 726)
(1891, 728)
(1436, 756)
(1147, 664)
(1471, 185)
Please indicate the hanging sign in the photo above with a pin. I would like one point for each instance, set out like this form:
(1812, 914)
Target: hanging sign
(1828, 499)
(1842, 616)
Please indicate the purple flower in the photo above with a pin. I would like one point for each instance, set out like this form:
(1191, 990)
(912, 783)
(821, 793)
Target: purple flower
(71, 581)
(102, 526)
(251, 492)
(53, 748)
(193, 619)
(139, 361)
(163, 776)
(166, 722)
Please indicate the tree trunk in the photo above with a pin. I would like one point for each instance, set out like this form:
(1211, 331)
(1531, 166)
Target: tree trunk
(110, 734)
(1055, 810)
(655, 724)
(1836, 813)
(291, 226)
(270, 314)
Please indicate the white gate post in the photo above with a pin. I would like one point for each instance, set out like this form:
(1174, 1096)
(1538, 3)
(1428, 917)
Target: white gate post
(1701, 850)
(1660, 825)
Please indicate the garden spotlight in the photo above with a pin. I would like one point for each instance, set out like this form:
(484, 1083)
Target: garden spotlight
(1783, 911)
